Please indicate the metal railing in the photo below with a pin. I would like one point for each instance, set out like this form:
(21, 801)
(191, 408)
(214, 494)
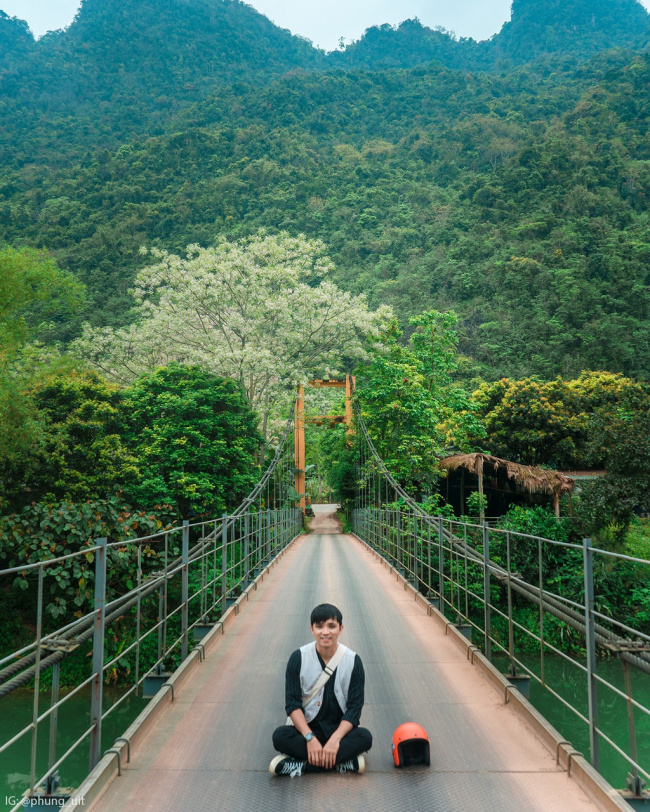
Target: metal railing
(167, 604)
(472, 573)
(456, 564)
(185, 579)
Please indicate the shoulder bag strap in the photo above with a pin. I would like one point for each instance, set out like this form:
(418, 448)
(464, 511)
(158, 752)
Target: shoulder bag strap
(325, 674)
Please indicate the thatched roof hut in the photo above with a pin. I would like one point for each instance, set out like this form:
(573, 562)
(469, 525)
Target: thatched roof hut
(530, 479)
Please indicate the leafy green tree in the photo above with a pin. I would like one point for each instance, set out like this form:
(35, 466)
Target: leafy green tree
(260, 311)
(81, 454)
(528, 421)
(413, 408)
(195, 438)
(20, 428)
(537, 422)
(42, 531)
(622, 437)
(32, 288)
(342, 469)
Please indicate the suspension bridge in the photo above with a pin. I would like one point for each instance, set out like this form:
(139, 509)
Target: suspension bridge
(427, 602)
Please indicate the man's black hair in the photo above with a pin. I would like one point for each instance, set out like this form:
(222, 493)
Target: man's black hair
(324, 612)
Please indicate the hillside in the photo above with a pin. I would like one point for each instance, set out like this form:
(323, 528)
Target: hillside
(125, 66)
(537, 29)
(582, 28)
(520, 199)
(16, 41)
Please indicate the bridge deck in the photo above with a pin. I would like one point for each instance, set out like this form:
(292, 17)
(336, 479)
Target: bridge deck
(212, 747)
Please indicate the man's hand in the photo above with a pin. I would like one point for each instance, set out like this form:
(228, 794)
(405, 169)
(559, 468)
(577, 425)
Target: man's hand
(330, 751)
(315, 752)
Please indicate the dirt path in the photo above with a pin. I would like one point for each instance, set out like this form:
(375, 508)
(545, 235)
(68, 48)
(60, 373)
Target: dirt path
(325, 520)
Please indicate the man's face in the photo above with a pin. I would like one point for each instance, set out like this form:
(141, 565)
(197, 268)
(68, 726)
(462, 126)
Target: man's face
(327, 634)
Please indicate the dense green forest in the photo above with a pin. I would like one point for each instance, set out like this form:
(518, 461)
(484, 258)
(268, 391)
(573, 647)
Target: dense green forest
(506, 180)
(473, 218)
(518, 198)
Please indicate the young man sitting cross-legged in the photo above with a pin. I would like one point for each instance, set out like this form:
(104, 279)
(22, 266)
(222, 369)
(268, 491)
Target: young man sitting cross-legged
(324, 733)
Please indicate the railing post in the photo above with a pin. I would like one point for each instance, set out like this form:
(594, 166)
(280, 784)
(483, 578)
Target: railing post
(54, 716)
(138, 622)
(451, 581)
(511, 630)
(375, 535)
(386, 533)
(487, 618)
(98, 654)
(398, 537)
(247, 563)
(281, 524)
(267, 555)
(281, 531)
(376, 527)
(276, 534)
(185, 592)
(224, 561)
(592, 693)
(165, 606)
(633, 778)
(204, 577)
(160, 625)
(466, 587)
(416, 578)
(429, 558)
(37, 678)
(441, 567)
(541, 609)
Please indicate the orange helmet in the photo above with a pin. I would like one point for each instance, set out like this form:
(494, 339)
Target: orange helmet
(410, 745)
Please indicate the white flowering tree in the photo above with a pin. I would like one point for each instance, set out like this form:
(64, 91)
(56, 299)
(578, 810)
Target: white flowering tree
(261, 311)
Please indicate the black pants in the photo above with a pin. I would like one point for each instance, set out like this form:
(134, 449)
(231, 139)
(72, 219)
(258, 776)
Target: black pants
(287, 740)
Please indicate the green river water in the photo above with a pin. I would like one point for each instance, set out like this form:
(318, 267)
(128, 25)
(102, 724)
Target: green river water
(74, 717)
(570, 682)
(566, 679)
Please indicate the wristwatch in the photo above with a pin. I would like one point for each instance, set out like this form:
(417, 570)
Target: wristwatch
(309, 736)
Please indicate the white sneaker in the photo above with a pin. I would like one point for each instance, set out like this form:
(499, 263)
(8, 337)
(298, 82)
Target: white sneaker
(285, 765)
(353, 765)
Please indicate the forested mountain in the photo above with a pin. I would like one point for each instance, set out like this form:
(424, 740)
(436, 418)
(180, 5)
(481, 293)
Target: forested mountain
(16, 41)
(581, 27)
(537, 29)
(125, 66)
(520, 199)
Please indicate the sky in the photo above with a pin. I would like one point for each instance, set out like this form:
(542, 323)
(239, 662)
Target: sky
(324, 22)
